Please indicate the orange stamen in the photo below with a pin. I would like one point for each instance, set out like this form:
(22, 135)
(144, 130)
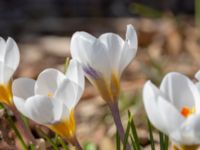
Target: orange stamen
(186, 111)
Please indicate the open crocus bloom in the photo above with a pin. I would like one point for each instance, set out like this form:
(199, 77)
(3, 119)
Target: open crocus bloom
(50, 100)
(104, 59)
(174, 109)
(9, 61)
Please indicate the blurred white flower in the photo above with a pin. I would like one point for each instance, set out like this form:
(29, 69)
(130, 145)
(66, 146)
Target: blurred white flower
(174, 109)
(104, 59)
(50, 100)
(9, 61)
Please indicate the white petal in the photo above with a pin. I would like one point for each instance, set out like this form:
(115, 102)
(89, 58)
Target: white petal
(44, 109)
(179, 90)
(91, 53)
(150, 98)
(197, 75)
(75, 73)
(131, 37)
(190, 130)
(80, 43)
(69, 93)
(2, 49)
(11, 54)
(114, 44)
(23, 87)
(129, 48)
(170, 115)
(48, 81)
(20, 105)
(6, 73)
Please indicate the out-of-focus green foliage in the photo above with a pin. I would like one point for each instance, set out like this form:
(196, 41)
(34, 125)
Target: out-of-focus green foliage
(144, 11)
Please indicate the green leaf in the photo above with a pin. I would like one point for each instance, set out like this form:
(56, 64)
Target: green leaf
(134, 132)
(65, 147)
(66, 64)
(162, 144)
(151, 135)
(133, 143)
(166, 142)
(118, 145)
(127, 135)
(49, 140)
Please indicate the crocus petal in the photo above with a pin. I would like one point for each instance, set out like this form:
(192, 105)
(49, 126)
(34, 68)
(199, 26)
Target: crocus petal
(190, 130)
(11, 58)
(91, 52)
(69, 93)
(179, 90)
(48, 81)
(6, 73)
(197, 75)
(23, 87)
(131, 37)
(170, 115)
(150, 97)
(44, 109)
(81, 42)
(129, 48)
(75, 73)
(114, 44)
(2, 49)
(20, 105)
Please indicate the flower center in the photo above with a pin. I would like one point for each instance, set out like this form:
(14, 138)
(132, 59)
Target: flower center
(66, 127)
(186, 111)
(50, 94)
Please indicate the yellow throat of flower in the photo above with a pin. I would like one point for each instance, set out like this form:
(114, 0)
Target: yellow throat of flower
(108, 90)
(65, 128)
(6, 93)
(185, 147)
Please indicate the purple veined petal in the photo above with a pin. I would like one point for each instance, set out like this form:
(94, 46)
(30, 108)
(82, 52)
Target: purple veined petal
(92, 73)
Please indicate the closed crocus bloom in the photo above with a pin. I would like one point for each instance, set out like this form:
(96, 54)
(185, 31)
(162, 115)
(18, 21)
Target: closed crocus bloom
(9, 61)
(174, 109)
(50, 100)
(104, 59)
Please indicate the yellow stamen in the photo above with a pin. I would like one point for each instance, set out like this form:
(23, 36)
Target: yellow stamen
(65, 128)
(50, 94)
(186, 111)
(6, 94)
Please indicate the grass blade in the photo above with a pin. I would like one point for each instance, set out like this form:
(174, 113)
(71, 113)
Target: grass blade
(118, 145)
(162, 144)
(166, 142)
(12, 124)
(49, 140)
(151, 135)
(126, 135)
(133, 143)
(65, 147)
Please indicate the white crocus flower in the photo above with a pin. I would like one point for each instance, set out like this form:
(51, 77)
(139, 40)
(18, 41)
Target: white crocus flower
(9, 61)
(174, 109)
(50, 100)
(104, 59)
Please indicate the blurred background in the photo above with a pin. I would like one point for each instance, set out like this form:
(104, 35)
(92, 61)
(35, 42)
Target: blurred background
(168, 33)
